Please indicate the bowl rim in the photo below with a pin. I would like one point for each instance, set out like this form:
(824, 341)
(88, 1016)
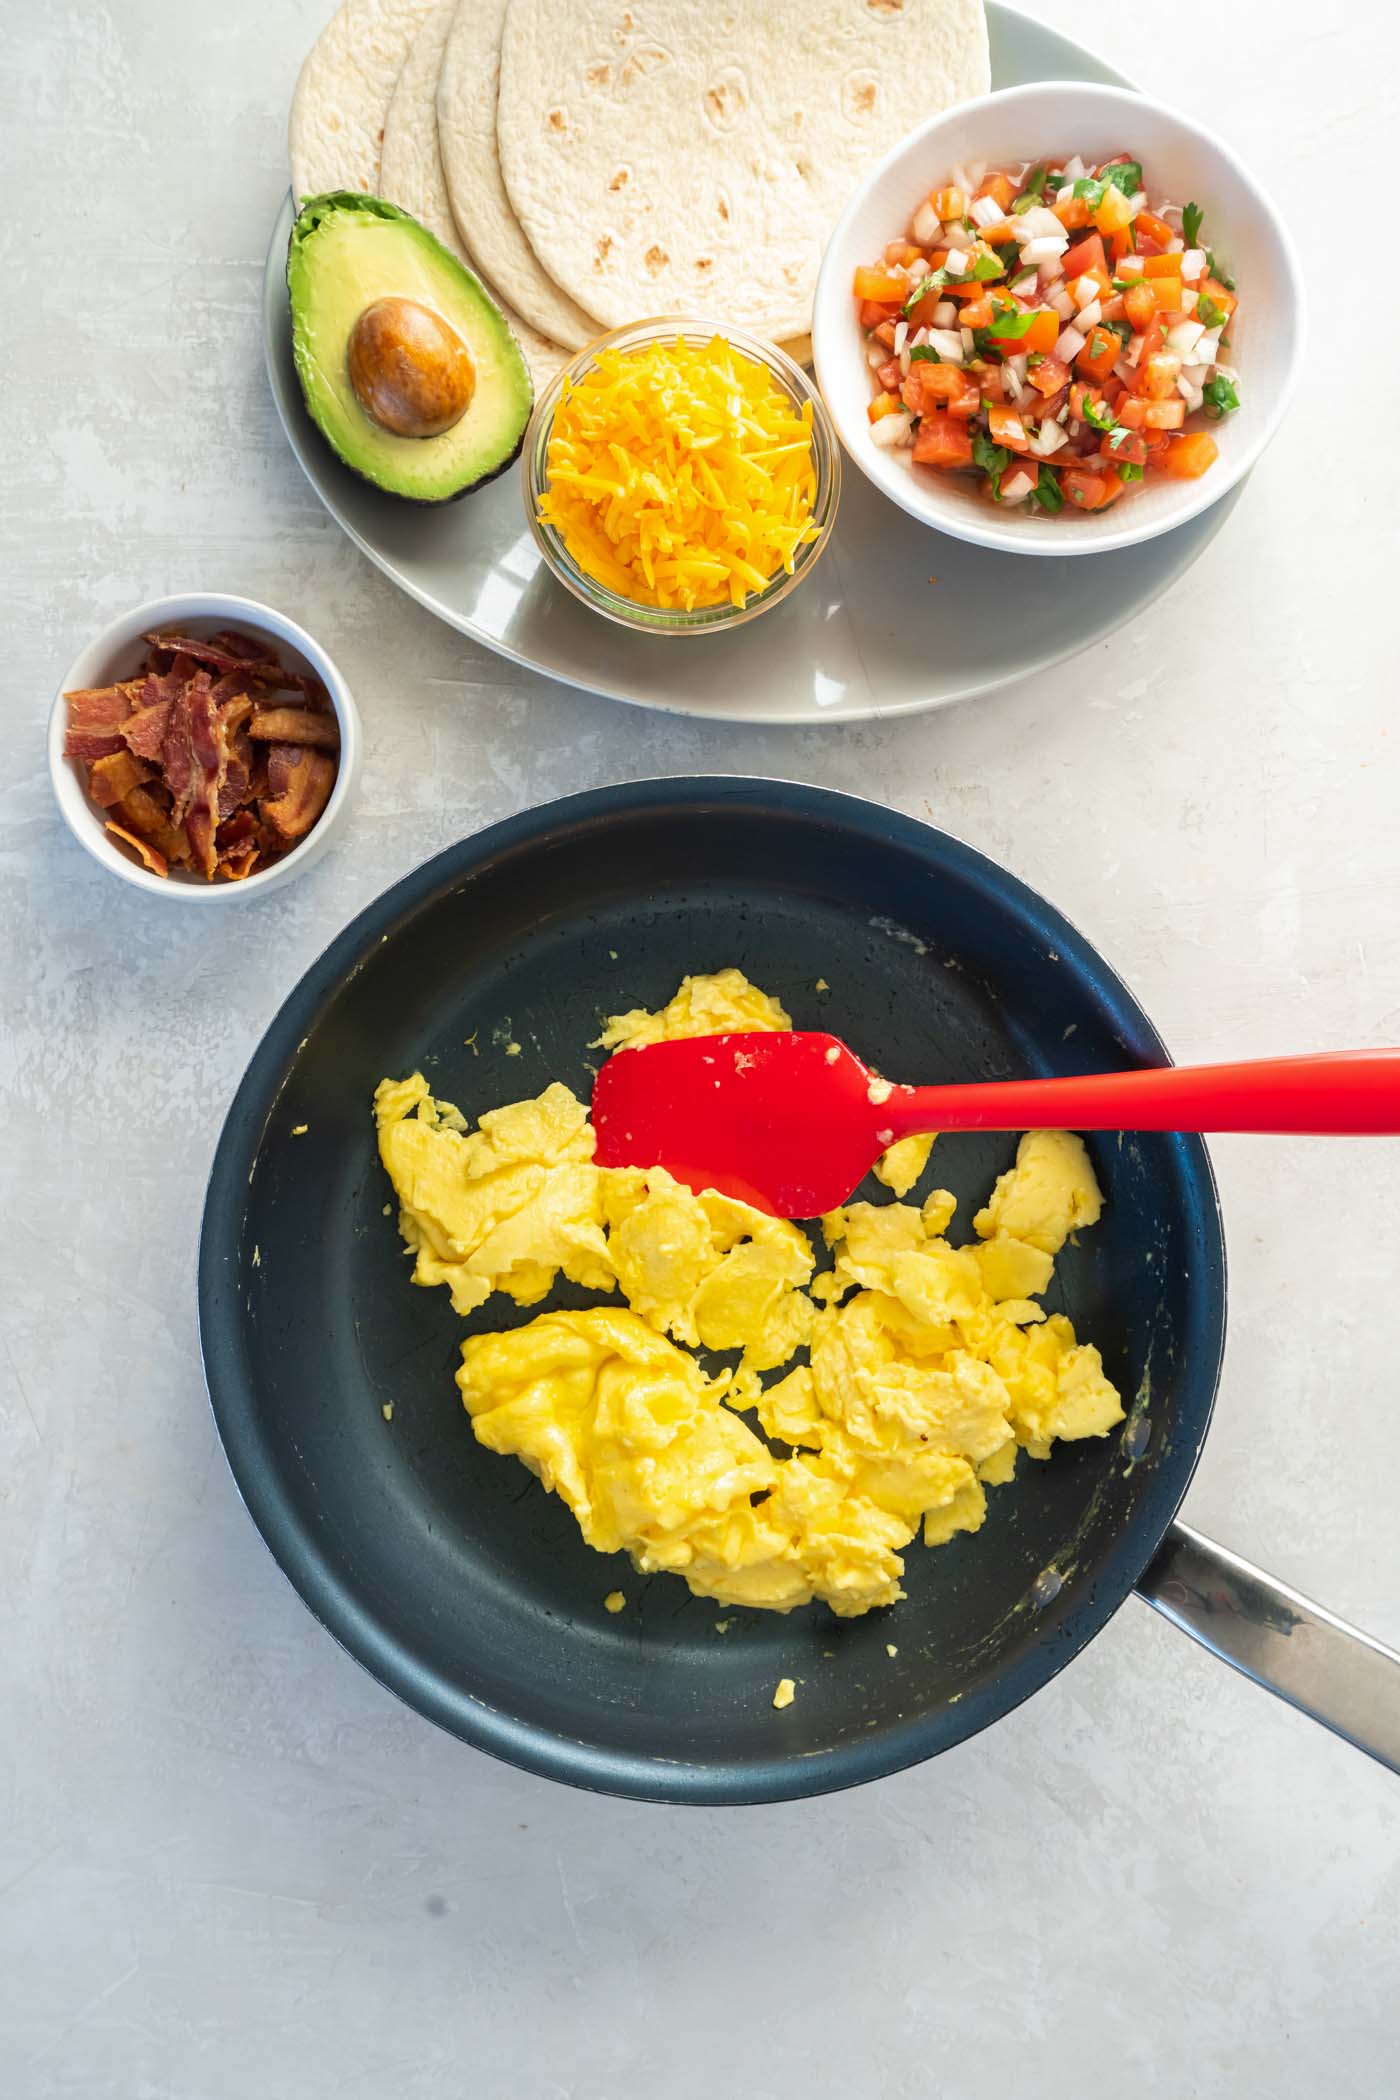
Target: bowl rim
(1010, 536)
(123, 632)
(828, 462)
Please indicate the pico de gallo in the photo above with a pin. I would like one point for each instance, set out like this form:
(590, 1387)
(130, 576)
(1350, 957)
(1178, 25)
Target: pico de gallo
(1047, 329)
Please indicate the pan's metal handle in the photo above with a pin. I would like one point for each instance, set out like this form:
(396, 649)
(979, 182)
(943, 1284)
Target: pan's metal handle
(1283, 1641)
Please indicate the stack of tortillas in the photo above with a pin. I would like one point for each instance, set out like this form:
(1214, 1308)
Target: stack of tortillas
(600, 161)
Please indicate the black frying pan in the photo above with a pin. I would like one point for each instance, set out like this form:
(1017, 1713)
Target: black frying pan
(449, 1572)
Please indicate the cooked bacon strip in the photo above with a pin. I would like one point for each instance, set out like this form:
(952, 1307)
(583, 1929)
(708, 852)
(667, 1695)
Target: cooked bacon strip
(141, 847)
(217, 656)
(177, 753)
(295, 725)
(236, 831)
(144, 812)
(96, 715)
(115, 776)
(238, 773)
(299, 784)
(144, 731)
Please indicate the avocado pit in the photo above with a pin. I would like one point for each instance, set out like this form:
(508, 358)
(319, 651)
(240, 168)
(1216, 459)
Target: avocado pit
(411, 372)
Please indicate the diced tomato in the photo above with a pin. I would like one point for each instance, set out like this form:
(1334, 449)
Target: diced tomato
(1130, 451)
(911, 389)
(1043, 333)
(1087, 490)
(1158, 445)
(883, 405)
(1139, 307)
(950, 203)
(999, 186)
(889, 375)
(1157, 376)
(1099, 355)
(1189, 456)
(977, 313)
(990, 383)
(880, 287)
(1131, 412)
(874, 311)
(1049, 375)
(1097, 275)
(999, 235)
(1161, 266)
(921, 313)
(1211, 288)
(1072, 214)
(903, 252)
(885, 334)
(946, 386)
(1164, 415)
(943, 441)
(1113, 390)
(1050, 407)
(1120, 245)
(1149, 227)
(1084, 255)
(1008, 429)
(1114, 214)
(1080, 394)
(1167, 293)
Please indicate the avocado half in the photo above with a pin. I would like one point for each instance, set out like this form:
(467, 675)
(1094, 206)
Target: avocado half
(346, 252)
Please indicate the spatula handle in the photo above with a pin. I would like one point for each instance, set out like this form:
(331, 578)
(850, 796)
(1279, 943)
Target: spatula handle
(1335, 1092)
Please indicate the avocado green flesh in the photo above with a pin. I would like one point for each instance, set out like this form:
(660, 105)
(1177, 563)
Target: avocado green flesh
(346, 252)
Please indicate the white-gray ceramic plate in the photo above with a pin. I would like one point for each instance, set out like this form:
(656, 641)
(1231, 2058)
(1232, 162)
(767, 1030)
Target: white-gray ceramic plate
(868, 634)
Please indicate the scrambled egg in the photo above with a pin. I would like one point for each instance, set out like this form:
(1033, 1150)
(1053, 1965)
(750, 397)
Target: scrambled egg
(930, 1366)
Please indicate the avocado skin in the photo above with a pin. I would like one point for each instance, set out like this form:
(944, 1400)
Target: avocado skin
(313, 216)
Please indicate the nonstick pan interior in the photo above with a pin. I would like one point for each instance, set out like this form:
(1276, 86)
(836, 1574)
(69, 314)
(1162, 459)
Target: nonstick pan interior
(450, 1572)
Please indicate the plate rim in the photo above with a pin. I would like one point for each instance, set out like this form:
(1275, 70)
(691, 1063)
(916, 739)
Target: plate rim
(585, 679)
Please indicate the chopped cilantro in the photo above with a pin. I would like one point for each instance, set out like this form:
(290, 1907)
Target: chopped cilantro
(1207, 312)
(1031, 193)
(1220, 396)
(1047, 493)
(1128, 472)
(1008, 255)
(1121, 329)
(924, 354)
(1220, 275)
(1097, 414)
(992, 459)
(1118, 436)
(983, 270)
(1008, 326)
(1091, 190)
(1127, 177)
(1191, 224)
(935, 283)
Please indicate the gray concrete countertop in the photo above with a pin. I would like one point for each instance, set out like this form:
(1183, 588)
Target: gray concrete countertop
(231, 1865)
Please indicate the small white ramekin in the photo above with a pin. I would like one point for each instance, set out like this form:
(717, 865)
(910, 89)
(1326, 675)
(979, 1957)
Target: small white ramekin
(115, 654)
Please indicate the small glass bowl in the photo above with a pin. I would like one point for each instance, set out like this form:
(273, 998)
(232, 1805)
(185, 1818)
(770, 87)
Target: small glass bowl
(703, 619)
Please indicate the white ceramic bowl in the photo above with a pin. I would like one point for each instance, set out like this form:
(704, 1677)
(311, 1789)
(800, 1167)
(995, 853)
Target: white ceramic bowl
(115, 654)
(1182, 162)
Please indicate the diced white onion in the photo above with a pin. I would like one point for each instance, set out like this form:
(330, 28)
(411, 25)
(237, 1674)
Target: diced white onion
(905, 362)
(1191, 395)
(1193, 265)
(1184, 337)
(955, 262)
(948, 343)
(1044, 250)
(1062, 302)
(876, 355)
(1038, 223)
(1176, 245)
(1089, 316)
(1137, 202)
(1069, 344)
(1075, 169)
(1052, 272)
(901, 336)
(1135, 349)
(1209, 344)
(920, 335)
(985, 211)
(1085, 289)
(1124, 371)
(1017, 485)
(1024, 282)
(892, 430)
(945, 314)
(1188, 299)
(1128, 266)
(969, 342)
(1048, 440)
(1015, 386)
(925, 226)
(1064, 193)
(1019, 363)
(1196, 375)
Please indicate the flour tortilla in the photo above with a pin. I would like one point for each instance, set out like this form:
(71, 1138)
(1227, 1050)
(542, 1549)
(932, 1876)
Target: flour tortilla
(343, 91)
(411, 174)
(694, 155)
(466, 110)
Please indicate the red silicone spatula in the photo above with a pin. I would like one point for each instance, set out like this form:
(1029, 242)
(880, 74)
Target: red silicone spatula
(792, 1122)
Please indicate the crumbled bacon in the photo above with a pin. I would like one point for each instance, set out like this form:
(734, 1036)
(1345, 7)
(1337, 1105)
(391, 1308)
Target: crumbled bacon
(192, 765)
(299, 783)
(295, 725)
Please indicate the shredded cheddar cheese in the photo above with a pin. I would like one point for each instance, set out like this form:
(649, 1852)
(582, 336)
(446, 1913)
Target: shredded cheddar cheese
(680, 474)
